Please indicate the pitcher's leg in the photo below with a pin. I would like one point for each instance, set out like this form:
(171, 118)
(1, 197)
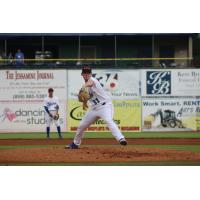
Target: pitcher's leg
(88, 119)
(106, 113)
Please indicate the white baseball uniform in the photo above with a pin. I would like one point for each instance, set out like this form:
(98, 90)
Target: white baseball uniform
(100, 107)
(51, 104)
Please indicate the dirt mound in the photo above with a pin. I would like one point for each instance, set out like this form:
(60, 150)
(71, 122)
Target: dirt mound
(109, 154)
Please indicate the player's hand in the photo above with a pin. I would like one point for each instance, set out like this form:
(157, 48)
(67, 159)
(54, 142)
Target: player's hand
(50, 115)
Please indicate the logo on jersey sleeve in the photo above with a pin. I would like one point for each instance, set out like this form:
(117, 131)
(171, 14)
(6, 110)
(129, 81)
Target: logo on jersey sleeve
(51, 104)
(158, 82)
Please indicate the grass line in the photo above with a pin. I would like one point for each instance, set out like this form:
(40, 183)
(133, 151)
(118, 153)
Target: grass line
(103, 135)
(137, 163)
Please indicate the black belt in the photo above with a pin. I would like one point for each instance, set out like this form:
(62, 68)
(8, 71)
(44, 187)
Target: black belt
(103, 104)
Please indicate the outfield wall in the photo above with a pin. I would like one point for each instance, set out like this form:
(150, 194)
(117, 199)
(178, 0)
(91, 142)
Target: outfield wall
(144, 100)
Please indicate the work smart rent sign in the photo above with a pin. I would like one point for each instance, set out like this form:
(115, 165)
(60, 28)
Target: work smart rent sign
(166, 82)
(171, 114)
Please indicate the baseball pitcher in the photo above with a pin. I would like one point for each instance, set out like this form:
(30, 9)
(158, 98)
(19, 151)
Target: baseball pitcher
(51, 106)
(100, 107)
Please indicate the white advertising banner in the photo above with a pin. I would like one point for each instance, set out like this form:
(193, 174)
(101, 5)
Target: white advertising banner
(175, 114)
(166, 82)
(27, 117)
(120, 84)
(21, 98)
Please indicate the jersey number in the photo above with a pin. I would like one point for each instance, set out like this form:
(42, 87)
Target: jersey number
(96, 101)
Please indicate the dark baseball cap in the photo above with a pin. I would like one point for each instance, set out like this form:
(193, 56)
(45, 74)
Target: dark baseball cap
(86, 70)
(50, 90)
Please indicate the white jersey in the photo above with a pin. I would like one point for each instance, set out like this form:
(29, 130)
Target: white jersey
(51, 103)
(98, 94)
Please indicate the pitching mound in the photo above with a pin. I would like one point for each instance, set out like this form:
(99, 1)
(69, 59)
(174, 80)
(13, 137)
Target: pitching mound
(105, 154)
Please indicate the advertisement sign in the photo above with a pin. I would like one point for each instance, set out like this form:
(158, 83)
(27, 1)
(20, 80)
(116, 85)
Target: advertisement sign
(120, 84)
(27, 117)
(127, 116)
(175, 114)
(21, 98)
(166, 82)
(29, 85)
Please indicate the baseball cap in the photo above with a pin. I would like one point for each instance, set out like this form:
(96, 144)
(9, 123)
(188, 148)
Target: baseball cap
(50, 90)
(86, 70)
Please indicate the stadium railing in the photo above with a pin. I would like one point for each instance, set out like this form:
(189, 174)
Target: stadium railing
(102, 63)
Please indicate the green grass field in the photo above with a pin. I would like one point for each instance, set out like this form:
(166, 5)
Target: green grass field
(104, 135)
(169, 163)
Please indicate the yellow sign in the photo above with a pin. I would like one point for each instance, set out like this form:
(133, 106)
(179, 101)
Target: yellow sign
(198, 118)
(127, 116)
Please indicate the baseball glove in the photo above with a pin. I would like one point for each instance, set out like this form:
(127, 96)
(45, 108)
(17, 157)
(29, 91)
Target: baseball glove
(56, 117)
(83, 97)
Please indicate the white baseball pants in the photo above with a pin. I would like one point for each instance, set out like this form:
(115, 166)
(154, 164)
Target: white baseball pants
(49, 120)
(104, 112)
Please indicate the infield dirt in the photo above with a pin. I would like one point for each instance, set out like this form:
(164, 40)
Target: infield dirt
(93, 151)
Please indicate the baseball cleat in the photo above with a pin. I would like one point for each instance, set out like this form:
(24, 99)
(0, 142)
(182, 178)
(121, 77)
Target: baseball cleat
(123, 141)
(71, 146)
